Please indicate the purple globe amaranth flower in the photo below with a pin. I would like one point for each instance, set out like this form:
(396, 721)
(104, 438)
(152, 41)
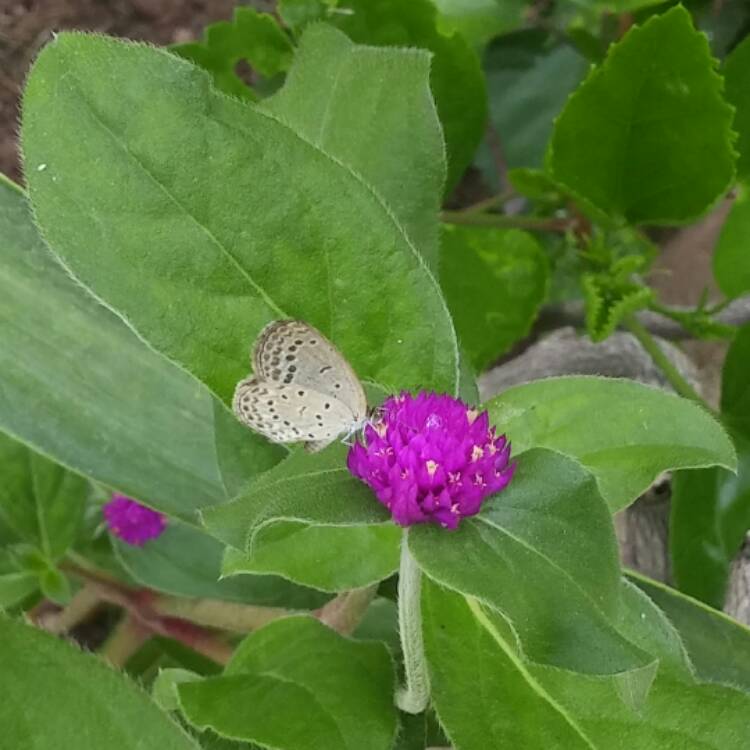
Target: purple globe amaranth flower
(431, 457)
(132, 522)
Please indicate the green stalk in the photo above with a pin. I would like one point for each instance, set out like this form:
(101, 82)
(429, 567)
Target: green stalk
(415, 695)
(671, 373)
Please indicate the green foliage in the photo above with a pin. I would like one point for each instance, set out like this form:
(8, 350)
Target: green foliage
(152, 439)
(623, 432)
(456, 80)
(731, 260)
(658, 142)
(494, 280)
(711, 507)
(737, 79)
(210, 288)
(530, 75)
(480, 20)
(253, 37)
(45, 682)
(306, 687)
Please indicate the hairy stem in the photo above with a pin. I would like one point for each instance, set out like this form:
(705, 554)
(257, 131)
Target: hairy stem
(415, 695)
(506, 221)
(346, 611)
(127, 637)
(671, 373)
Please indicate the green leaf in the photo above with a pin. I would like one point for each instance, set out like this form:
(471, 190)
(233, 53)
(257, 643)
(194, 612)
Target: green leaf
(214, 255)
(737, 81)
(529, 78)
(15, 587)
(480, 20)
(185, 561)
(623, 432)
(164, 690)
(455, 76)
(298, 13)
(647, 136)
(309, 520)
(149, 429)
(328, 558)
(494, 281)
(482, 691)
(55, 586)
(552, 524)
(710, 509)
(719, 647)
(381, 98)
(297, 684)
(57, 696)
(731, 259)
(250, 36)
(676, 715)
(41, 501)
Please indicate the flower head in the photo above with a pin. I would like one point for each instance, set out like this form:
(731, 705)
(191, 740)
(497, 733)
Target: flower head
(132, 522)
(431, 457)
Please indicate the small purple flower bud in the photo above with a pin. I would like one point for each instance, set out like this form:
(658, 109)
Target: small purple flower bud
(132, 522)
(431, 458)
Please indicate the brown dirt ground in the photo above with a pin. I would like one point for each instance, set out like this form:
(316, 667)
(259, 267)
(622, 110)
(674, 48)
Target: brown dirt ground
(27, 25)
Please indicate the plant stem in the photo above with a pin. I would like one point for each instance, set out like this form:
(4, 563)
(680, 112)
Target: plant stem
(414, 697)
(345, 612)
(484, 205)
(506, 221)
(127, 637)
(662, 361)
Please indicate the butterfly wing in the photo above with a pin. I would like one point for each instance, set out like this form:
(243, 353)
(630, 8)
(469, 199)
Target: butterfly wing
(290, 413)
(291, 352)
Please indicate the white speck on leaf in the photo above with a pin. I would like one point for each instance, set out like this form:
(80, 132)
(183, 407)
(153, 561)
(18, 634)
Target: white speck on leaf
(41, 168)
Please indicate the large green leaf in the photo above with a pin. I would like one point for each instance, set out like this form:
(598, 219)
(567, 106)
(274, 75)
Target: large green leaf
(711, 508)
(311, 521)
(40, 500)
(455, 75)
(731, 259)
(141, 168)
(623, 432)
(494, 281)
(647, 136)
(530, 75)
(185, 561)
(551, 524)
(719, 646)
(380, 98)
(57, 696)
(482, 691)
(677, 715)
(296, 684)
(737, 80)
(79, 386)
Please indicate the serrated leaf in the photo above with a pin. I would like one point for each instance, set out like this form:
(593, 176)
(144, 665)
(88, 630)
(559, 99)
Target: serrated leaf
(552, 524)
(529, 78)
(250, 36)
(455, 78)
(625, 433)
(380, 98)
(647, 137)
(57, 696)
(608, 304)
(307, 688)
(494, 281)
(228, 257)
(731, 259)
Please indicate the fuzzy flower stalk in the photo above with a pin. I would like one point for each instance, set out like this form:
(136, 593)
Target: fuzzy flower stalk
(431, 458)
(132, 522)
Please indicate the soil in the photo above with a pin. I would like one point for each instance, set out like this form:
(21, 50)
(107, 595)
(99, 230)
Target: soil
(27, 25)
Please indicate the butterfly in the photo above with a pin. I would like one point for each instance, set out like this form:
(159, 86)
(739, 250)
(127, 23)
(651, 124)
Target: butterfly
(302, 389)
